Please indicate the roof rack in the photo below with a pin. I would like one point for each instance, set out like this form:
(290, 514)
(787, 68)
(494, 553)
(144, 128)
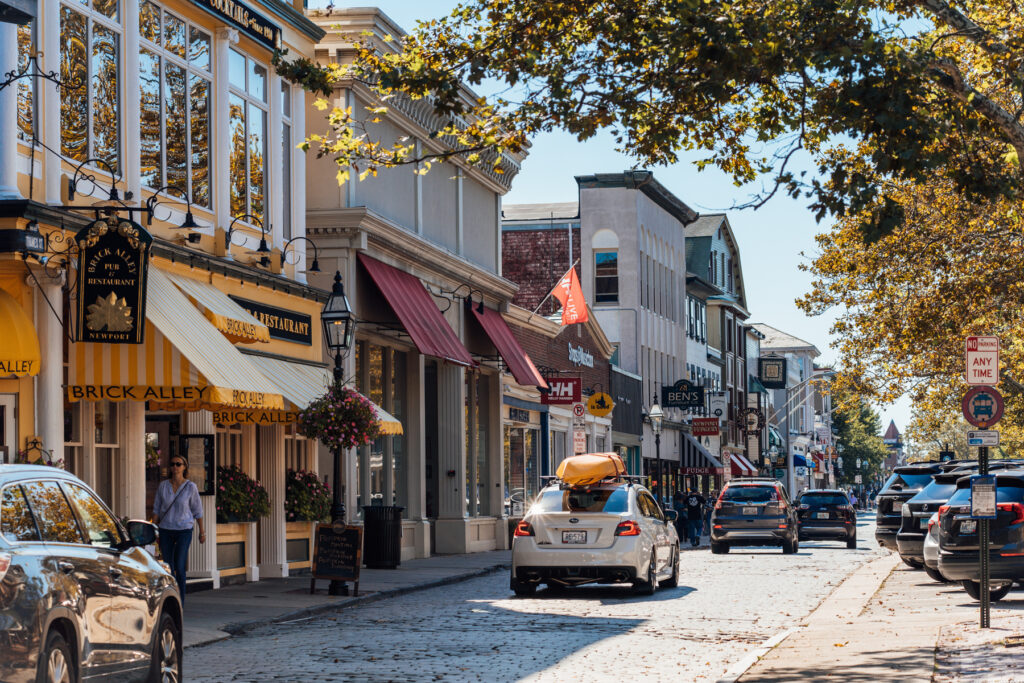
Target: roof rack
(631, 479)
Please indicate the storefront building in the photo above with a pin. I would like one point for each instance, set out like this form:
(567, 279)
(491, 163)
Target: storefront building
(168, 121)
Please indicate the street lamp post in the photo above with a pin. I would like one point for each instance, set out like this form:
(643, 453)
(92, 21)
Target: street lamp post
(339, 325)
(656, 416)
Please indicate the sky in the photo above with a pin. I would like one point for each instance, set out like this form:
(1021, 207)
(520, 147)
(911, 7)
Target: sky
(774, 240)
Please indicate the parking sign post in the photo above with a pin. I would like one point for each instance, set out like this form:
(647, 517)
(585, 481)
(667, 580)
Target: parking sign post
(983, 524)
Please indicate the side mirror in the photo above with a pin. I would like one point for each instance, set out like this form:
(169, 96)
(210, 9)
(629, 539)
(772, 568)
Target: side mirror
(671, 516)
(141, 533)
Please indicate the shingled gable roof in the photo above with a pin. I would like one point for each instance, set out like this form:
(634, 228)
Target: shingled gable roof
(775, 339)
(891, 434)
(540, 212)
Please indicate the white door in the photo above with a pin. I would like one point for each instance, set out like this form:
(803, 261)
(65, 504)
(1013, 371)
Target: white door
(8, 427)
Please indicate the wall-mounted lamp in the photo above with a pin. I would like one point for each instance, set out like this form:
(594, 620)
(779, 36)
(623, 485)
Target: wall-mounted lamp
(188, 224)
(257, 221)
(315, 266)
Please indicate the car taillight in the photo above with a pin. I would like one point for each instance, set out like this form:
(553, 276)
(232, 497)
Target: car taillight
(627, 528)
(718, 501)
(1016, 508)
(5, 564)
(524, 528)
(943, 509)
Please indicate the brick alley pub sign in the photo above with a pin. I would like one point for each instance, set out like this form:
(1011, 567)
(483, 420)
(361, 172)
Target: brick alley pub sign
(283, 324)
(772, 372)
(683, 394)
(242, 16)
(113, 257)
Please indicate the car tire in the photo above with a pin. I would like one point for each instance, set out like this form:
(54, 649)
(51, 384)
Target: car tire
(935, 575)
(523, 589)
(851, 543)
(56, 664)
(911, 562)
(166, 662)
(790, 547)
(651, 584)
(973, 589)
(719, 548)
(673, 581)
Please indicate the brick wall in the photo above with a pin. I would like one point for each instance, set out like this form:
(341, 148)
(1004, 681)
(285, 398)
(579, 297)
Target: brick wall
(534, 260)
(553, 354)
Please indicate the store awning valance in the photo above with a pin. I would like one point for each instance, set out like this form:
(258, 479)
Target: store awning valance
(519, 364)
(799, 460)
(697, 459)
(741, 467)
(19, 344)
(184, 363)
(774, 438)
(237, 324)
(301, 384)
(418, 313)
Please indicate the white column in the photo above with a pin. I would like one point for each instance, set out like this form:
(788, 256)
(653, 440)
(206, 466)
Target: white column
(130, 104)
(131, 475)
(9, 114)
(350, 187)
(252, 567)
(298, 167)
(452, 533)
(49, 110)
(416, 455)
(226, 37)
(202, 557)
(460, 213)
(87, 467)
(418, 189)
(273, 555)
(49, 397)
(276, 189)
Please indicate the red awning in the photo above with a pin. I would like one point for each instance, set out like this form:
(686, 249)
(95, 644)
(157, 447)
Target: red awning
(741, 467)
(520, 365)
(415, 308)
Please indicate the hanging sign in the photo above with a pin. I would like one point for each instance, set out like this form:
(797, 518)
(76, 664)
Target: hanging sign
(683, 394)
(113, 257)
(600, 404)
(983, 406)
(752, 420)
(771, 372)
(704, 426)
(718, 405)
(562, 391)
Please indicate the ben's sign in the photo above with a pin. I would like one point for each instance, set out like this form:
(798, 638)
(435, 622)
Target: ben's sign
(562, 391)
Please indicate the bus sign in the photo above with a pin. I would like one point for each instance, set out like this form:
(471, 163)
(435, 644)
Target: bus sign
(983, 406)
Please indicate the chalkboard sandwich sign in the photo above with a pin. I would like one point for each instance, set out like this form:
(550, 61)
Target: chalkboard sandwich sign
(337, 554)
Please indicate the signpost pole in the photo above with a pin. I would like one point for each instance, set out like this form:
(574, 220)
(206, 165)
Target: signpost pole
(983, 525)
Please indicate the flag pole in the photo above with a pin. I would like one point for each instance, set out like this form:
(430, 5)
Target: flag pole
(542, 301)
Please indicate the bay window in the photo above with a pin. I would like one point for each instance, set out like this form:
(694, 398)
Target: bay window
(248, 129)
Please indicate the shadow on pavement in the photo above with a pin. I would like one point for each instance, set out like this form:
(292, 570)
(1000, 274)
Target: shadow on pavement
(871, 666)
(610, 595)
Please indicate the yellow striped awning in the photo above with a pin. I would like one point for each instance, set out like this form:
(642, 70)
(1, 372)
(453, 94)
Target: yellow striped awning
(19, 344)
(185, 362)
(237, 324)
(301, 383)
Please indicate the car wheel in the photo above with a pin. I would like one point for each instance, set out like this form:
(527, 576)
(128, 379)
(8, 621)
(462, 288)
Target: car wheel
(165, 665)
(651, 584)
(56, 664)
(523, 589)
(916, 564)
(851, 542)
(673, 580)
(790, 547)
(719, 548)
(935, 575)
(973, 589)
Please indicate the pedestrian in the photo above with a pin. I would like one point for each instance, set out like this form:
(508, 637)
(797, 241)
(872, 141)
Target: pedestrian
(695, 514)
(712, 499)
(176, 510)
(679, 505)
(853, 499)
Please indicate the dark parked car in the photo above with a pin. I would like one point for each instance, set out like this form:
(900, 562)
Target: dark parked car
(903, 484)
(958, 537)
(753, 511)
(826, 513)
(79, 597)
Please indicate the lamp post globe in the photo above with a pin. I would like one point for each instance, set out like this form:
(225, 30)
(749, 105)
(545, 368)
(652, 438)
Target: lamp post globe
(656, 415)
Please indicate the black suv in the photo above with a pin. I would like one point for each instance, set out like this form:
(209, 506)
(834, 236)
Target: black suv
(903, 484)
(958, 536)
(753, 511)
(826, 513)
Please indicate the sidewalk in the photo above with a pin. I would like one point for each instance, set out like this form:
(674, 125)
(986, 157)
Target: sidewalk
(217, 614)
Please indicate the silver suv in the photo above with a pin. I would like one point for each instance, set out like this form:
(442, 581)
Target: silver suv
(79, 596)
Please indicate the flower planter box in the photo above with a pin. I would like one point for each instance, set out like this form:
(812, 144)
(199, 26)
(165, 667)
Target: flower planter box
(299, 544)
(232, 539)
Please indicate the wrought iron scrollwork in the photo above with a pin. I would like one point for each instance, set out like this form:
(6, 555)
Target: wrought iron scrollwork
(82, 174)
(315, 266)
(31, 70)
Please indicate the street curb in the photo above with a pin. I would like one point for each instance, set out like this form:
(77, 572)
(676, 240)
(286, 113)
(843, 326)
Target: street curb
(239, 628)
(741, 667)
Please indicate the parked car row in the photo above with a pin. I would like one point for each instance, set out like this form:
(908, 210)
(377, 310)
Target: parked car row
(937, 533)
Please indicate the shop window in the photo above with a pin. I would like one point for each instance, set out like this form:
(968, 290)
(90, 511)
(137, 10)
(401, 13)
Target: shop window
(522, 478)
(606, 277)
(477, 424)
(175, 104)
(380, 466)
(90, 54)
(287, 150)
(298, 451)
(26, 86)
(247, 125)
(229, 445)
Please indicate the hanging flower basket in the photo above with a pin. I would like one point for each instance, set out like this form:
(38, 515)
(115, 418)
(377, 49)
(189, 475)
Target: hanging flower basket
(240, 498)
(340, 419)
(306, 498)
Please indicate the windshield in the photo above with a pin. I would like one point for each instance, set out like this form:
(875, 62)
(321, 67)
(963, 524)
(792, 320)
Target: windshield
(750, 494)
(936, 491)
(573, 500)
(889, 481)
(824, 499)
(909, 481)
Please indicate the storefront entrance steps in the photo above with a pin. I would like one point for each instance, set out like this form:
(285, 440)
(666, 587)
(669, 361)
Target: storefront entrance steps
(218, 614)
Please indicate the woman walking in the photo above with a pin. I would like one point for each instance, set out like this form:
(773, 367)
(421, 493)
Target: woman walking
(176, 511)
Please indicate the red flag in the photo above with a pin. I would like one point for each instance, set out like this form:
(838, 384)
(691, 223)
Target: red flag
(570, 293)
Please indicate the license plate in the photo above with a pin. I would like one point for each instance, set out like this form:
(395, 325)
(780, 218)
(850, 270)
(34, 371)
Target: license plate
(822, 515)
(574, 537)
(968, 526)
(750, 511)
(924, 522)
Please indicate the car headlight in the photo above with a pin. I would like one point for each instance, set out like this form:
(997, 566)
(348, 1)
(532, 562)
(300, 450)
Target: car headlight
(905, 510)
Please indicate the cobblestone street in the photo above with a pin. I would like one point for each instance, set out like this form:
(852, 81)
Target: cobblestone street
(724, 608)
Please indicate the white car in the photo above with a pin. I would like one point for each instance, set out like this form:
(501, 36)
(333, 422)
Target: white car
(931, 550)
(612, 532)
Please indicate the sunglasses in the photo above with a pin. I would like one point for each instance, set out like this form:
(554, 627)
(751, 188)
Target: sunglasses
(177, 464)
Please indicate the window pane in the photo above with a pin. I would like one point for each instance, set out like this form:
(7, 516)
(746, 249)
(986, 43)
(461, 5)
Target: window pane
(16, 522)
(199, 48)
(53, 514)
(175, 131)
(236, 70)
(236, 124)
(286, 181)
(149, 21)
(105, 106)
(286, 98)
(25, 85)
(257, 156)
(107, 8)
(74, 102)
(257, 81)
(100, 527)
(199, 102)
(174, 35)
(149, 119)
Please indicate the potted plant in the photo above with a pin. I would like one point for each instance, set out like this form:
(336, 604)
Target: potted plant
(240, 498)
(341, 418)
(306, 498)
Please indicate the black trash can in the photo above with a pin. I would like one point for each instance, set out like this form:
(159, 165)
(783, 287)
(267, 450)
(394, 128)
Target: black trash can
(382, 536)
